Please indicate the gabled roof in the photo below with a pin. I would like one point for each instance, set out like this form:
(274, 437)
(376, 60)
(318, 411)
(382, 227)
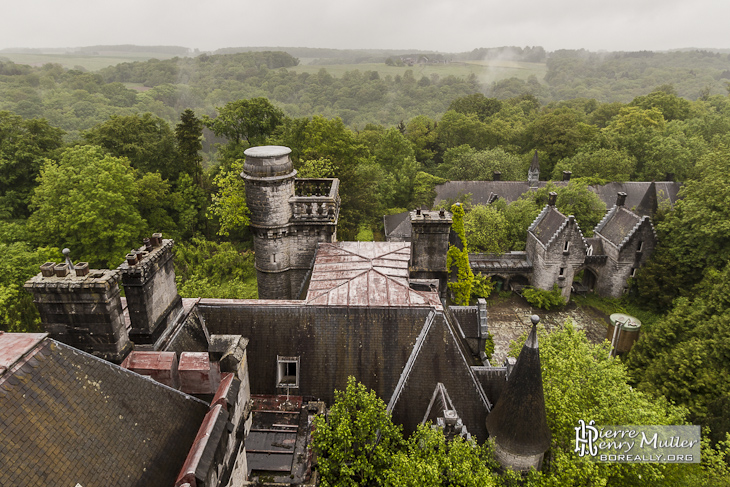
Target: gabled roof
(437, 357)
(518, 421)
(70, 418)
(365, 274)
(547, 224)
(619, 225)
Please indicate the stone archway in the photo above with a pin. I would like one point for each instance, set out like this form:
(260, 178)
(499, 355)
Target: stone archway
(585, 281)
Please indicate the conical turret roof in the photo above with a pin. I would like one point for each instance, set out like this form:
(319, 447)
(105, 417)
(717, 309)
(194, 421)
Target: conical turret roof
(518, 422)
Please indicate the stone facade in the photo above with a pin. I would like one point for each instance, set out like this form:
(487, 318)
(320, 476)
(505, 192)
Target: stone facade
(82, 308)
(289, 217)
(628, 241)
(429, 245)
(556, 248)
(148, 277)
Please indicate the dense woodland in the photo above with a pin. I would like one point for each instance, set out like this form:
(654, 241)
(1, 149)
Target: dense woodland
(90, 164)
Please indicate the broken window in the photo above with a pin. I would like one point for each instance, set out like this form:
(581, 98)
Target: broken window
(287, 371)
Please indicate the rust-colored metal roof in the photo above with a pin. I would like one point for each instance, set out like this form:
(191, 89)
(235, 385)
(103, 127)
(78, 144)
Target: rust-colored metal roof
(365, 274)
(13, 346)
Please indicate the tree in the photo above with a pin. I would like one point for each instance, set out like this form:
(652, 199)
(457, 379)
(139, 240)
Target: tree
(582, 381)
(356, 442)
(189, 133)
(23, 146)
(465, 163)
(87, 201)
(558, 134)
(229, 203)
(145, 140)
(607, 164)
(477, 104)
(429, 460)
(244, 123)
(19, 263)
(395, 155)
(486, 229)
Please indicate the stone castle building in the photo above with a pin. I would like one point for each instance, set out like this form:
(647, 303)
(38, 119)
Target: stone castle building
(289, 216)
(154, 389)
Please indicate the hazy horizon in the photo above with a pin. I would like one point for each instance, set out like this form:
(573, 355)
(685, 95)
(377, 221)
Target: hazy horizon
(429, 25)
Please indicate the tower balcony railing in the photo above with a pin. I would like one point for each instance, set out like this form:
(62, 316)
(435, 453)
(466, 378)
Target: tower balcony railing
(316, 199)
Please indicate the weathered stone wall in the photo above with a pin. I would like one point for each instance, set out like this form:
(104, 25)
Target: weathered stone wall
(268, 200)
(429, 245)
(372, 344)
(84, 312)
(151, 291)
(549, 260)
(621, 262)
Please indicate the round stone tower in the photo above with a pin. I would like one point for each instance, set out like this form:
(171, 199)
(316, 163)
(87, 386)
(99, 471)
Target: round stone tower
(269, 178)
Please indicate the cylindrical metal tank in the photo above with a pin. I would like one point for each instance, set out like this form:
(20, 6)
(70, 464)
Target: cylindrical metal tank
(623, 332)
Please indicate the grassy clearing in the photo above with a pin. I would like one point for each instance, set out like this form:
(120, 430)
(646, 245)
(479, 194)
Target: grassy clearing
(609, 306)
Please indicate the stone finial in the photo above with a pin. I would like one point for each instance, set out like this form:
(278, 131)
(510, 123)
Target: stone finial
(535, 319)
(67, 253)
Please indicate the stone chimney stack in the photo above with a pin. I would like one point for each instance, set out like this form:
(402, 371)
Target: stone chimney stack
(148, 276)
(82, 308)
(429, 245)
(621, 199)
(497, 176)
(552, 198)
(567, 175)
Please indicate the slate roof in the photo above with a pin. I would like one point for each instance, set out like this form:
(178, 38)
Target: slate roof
(398, 227)
(518, 422)
(547, 223)
(365, 274)
(438, 357)
(618, 224)
(68, 418)
(639, 193)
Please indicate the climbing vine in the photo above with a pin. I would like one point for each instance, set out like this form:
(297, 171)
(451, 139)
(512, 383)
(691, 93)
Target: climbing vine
(461, 289)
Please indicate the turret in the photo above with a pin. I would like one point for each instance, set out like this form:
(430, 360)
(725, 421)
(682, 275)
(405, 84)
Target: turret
(533, 174)
(518, 422)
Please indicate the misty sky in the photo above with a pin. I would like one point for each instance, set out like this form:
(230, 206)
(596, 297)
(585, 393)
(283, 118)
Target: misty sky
(442, 25)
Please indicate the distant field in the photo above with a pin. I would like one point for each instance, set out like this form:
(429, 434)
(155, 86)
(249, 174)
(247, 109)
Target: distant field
(89, 62)
(487, 71)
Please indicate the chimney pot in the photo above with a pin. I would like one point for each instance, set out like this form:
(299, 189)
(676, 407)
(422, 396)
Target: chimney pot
(61, 270)
(47, 269)
(442, 214)
(620, 199)
(156, 239)
(82, 268)
(497, 175)
(147, 244)
(418, 211)
(132, 258)
(552, 198)
(566, 175)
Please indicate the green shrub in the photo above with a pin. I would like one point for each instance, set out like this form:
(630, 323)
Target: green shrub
(544, 299)
(489, 346)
